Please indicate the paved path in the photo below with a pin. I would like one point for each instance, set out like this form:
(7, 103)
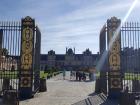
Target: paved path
(62, 92)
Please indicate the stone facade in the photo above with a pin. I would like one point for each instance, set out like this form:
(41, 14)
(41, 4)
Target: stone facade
(70, 60)
(130, 59)
(8, 63)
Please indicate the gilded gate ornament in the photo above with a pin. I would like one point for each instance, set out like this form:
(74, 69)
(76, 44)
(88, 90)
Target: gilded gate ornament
(115, 47)
(114, 54)
(26, 58)
(25, 81)
(27, 52)
(115, 83)
(26, 61)
(114, 58)
(27, 33)
(114, 61)
(27, 47)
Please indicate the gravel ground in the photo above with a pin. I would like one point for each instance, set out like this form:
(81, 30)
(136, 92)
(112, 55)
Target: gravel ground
(62, 92)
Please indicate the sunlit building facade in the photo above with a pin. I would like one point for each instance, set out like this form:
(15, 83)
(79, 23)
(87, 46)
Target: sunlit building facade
(69, 60)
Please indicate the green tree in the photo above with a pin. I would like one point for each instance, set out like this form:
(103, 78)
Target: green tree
(13, 68)
(5, 52)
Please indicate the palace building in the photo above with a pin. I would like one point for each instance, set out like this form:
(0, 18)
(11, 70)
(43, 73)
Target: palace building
(69, 60)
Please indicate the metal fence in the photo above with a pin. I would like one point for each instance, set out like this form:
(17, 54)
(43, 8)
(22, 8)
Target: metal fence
(36, 68)
(130, 56)
(129, 73)
(10, 57)
(9, 51)
(10, 40)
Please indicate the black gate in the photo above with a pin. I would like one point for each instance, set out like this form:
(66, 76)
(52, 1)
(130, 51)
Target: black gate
(37, 61)
(130, 57)
(120, 62)
(103, 62)
(10, 39)
(13, 59)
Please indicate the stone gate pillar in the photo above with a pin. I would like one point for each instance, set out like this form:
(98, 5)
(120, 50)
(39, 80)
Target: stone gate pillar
(26, 58)
(114, 74)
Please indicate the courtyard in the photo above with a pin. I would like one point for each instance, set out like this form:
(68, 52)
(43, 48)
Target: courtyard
(62, 92)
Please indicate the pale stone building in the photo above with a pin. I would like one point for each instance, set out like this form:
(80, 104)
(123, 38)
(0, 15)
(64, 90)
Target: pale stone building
(70, 60)
(8, 63)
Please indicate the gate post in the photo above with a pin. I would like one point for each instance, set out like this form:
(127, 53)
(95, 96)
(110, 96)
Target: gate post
(37, 60)
(114, 75)
(103, 69)
(1, 36)
(26, 58)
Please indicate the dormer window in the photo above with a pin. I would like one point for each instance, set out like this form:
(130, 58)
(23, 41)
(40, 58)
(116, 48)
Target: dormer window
(87, 52)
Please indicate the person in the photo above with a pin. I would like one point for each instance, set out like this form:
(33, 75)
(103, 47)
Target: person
(80, 76)
(71, 74)
(84, 77)
(77, 75)
(64, 74)
(92, 76)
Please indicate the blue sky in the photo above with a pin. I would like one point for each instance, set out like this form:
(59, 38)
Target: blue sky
(68, 23)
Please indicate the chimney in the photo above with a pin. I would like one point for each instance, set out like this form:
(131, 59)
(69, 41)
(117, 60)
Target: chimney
(66, 49)
(74, 50)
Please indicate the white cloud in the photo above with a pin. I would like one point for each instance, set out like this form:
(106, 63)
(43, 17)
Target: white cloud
(81, 27)
(72, 22)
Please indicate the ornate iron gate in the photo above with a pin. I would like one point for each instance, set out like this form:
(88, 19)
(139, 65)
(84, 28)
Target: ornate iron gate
(121, 68)
(130, 57)
(19, 57)
(9, 56)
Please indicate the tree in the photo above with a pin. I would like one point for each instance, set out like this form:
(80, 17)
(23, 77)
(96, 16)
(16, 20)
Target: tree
(5, 52)
(13, 68)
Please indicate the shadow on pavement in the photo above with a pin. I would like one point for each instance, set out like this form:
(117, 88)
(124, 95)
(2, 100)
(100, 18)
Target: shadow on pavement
(1, 103)
(79, 81)
(110, 102)
(97, 99)
(93, 94)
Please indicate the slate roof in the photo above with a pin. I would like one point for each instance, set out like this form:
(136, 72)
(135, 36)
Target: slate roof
(60, 57)
(44, 57)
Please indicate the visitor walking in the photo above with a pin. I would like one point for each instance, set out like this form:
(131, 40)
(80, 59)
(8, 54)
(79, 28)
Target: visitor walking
(64, 74)
(70, 74)
(77, 75)
(84, 77)
(80, 76)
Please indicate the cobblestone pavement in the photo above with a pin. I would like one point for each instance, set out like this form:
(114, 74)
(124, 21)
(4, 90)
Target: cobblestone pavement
(62, 92)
